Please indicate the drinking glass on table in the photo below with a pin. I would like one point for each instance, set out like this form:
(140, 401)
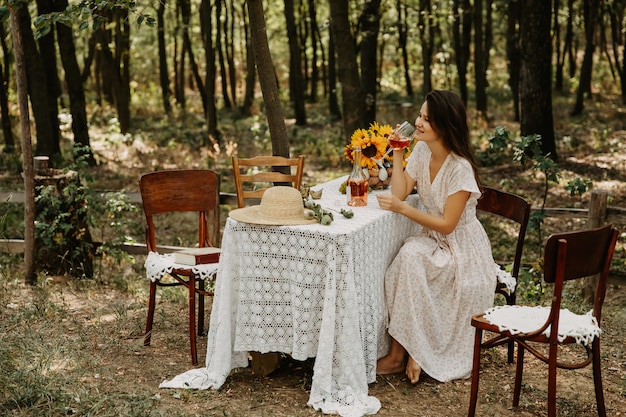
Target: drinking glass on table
(401, 137)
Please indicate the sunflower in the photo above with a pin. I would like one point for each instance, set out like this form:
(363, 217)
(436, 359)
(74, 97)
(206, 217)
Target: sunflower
(373, 143)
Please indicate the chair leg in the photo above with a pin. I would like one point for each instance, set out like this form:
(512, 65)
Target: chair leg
(597, 378)
(475, 373)
(201, 307)
(192, 320)
(519, 370)
(150, 319)
(510, 300)
(552, 379)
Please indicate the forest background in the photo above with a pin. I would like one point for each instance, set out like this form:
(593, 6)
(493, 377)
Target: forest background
(118, 88)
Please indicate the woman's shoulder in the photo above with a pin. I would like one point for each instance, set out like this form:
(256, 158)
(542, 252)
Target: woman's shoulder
(460, 162)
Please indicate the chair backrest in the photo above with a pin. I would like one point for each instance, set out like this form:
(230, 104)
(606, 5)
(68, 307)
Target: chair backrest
(186, 190)
(512, 207)
(255, 175)
(580, 254)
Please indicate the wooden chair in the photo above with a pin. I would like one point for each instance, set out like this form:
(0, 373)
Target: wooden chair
(568, 256)
(255, 175)
(178, 191)
(515, 209)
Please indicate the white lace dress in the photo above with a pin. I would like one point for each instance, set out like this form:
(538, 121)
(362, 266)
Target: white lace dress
(437, 282)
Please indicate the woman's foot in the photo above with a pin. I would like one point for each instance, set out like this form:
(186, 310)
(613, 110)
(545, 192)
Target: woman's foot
(388, 365)
(413, 371)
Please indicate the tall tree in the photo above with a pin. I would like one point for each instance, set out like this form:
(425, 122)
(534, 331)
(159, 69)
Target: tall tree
(74, 85)
(47, 51)
(370, 26)
(480, 71)
(351, 94)
(333, 100)
(536, 74)
(164, 78)
(248, 97)
(296, 79)
(513, 52)
(221, 59)
(427, 39)
(618, 39)
(267, 79)
(37, 88)
(403, 31)
(591, 10)
(461, 31)
(316, 46)
(30, 276)
(206, 26)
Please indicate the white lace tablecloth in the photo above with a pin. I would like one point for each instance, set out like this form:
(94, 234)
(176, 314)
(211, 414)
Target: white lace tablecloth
(309, 291)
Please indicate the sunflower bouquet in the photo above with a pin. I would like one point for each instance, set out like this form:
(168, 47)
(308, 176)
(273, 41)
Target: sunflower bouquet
(375, 160)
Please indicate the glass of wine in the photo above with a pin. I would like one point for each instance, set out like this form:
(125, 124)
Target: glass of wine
(402, 136)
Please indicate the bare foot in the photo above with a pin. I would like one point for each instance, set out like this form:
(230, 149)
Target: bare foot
(388, 365)
(413, 371)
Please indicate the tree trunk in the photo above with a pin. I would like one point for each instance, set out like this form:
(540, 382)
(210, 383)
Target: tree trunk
(164, 77)
(229, 29)
(480, 72)
(37, 88)
(186, 16)
(220, 54)
(513, 53)
(47, 52)
(296, 80)
(333, 101)
(559, 52)
(315, 44)
(7, 131)
(462, 28)
(351, 95)
(267, 79)
(75, 89)
(425, 25)
(206, 27)
(618, 42)
(248, 99)
(402, 26)
(370, 19)
(591, 8)
(536, 74)
(27, 151)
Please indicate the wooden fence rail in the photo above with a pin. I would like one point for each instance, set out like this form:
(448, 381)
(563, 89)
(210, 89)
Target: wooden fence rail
(597, 214)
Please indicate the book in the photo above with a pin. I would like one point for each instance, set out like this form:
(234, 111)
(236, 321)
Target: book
(196, 256)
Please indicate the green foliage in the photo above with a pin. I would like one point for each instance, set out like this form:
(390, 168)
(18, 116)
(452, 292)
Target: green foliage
(527, 152)
(90, 13)
(67, 214)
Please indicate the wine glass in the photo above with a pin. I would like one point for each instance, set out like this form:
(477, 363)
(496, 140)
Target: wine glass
(402, 136)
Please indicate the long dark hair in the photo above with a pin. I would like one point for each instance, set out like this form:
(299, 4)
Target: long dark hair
(447, 115)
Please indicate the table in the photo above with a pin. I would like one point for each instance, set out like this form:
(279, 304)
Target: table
(309, 291)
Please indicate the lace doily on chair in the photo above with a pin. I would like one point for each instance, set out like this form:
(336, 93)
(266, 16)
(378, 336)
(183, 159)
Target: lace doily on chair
(505, 278)
(158, 265)
(525, 319)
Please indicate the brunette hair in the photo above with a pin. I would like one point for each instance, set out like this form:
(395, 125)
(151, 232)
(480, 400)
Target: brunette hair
(447, 115)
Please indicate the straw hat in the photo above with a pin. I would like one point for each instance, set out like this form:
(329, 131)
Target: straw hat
(280, 206)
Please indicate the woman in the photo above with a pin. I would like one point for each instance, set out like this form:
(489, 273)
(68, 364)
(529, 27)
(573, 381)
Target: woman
(445, 274)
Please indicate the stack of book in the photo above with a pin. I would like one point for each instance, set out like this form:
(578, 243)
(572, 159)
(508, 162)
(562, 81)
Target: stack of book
(197, 256)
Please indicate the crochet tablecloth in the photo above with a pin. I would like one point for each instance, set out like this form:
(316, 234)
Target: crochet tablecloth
(309, 291)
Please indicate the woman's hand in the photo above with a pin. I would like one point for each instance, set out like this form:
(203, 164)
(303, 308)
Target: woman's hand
(390, 202)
